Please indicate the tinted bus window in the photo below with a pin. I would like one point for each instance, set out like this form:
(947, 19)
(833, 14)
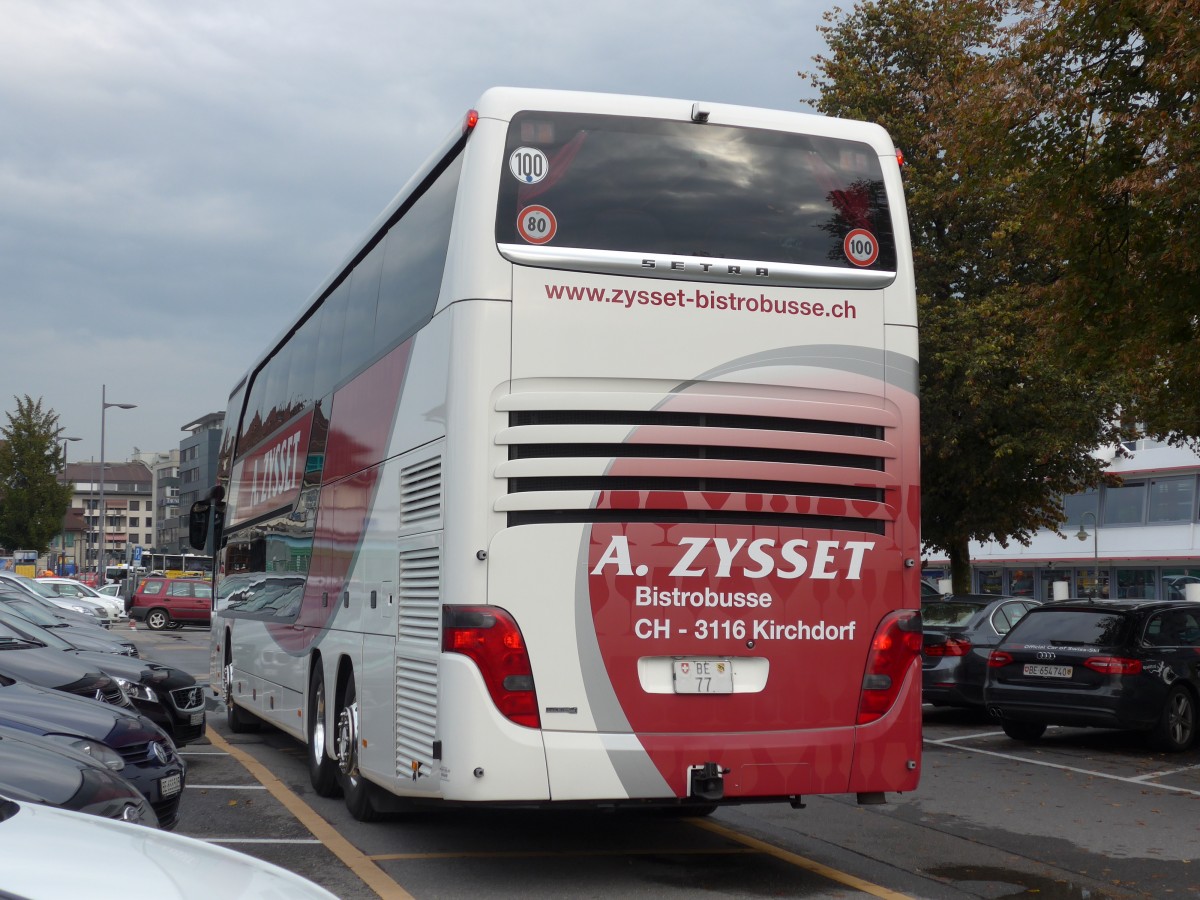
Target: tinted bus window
(358, 333)
(414, 259)
(302, 375)
(615, 183)
(329, 343)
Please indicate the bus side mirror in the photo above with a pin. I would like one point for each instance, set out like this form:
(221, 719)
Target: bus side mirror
(198, 521)
(198, 524)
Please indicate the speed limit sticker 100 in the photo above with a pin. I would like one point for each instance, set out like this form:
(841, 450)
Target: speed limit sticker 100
(860, 247)
(537, 224)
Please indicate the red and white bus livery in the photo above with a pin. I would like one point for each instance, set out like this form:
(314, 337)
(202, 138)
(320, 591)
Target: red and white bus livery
(591, 476)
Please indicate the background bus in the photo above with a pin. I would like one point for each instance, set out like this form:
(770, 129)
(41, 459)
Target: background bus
(592, 475)
(178, 565)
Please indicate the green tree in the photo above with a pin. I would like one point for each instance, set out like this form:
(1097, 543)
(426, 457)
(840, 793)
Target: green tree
(32, 499)
(1007, 427)
(1113, 92)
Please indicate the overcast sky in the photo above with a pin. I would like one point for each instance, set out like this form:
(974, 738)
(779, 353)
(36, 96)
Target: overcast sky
(177, 178)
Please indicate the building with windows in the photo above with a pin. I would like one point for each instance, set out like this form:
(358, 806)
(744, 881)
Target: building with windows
(128, 512)
(198, 454)
(1140, 539)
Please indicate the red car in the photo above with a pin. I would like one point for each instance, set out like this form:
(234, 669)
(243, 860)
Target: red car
(172, 602)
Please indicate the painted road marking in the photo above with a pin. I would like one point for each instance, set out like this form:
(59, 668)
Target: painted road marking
(353, 858)
(795, 859)
(1139, 780)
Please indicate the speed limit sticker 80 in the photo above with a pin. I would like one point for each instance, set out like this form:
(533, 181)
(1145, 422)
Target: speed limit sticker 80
(860, 247)
(536, 224)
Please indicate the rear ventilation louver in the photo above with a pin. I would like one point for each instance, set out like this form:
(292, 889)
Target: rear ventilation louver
(672, 466)
(419, 633)
(421, 494)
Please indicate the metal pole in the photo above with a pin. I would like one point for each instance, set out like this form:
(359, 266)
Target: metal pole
(102, 556)
(62, 538)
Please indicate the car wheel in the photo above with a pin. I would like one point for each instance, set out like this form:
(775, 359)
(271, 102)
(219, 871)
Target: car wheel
(1024, 731)
(1176, 728)
(356, 791)
(158, 619)
(238, 720)
(323, 772)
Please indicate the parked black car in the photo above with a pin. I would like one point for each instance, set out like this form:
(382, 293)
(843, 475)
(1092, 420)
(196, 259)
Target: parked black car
(85, 637)
(960, 632)
(1130, 664)
(29, 660)
(38, 770)
(169, 697)
(124, 741)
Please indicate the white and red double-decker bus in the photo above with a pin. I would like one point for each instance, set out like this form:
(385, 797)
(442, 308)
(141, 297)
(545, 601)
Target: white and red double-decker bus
(591, 477)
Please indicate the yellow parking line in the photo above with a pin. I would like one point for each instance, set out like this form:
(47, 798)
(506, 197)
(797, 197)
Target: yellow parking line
(564, 854)
(796, 860)
(357, 861)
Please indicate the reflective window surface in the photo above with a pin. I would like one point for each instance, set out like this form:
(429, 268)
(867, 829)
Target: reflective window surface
(618, 183)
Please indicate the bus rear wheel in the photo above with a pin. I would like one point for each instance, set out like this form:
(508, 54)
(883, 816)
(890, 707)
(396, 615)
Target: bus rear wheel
(355, 789)
(322, 771)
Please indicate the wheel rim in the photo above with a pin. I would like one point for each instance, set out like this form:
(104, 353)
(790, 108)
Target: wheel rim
(347, 740)
(1181, 719)
(228, 679)
(156, 620)
(317, 744)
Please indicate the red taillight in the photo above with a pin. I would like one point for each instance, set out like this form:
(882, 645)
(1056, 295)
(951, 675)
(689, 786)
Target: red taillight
(899, 157)
(470, 120)
(951, 647)
(490, 637)
(998, 659)
(896, 644)
(1114, 665)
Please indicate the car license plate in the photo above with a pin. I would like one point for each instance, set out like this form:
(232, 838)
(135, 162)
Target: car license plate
(703, 676)
(197, 718)
(170, 786)
(1047, 671)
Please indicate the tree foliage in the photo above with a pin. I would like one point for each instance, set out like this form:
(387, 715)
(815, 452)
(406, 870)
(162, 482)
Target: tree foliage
(32, 499)
(1112, 93)
(1007, 427)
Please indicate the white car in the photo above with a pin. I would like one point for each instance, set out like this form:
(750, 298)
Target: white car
(70, 589)
(110, 860)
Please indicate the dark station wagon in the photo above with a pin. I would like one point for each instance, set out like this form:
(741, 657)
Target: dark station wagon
(1128, 664)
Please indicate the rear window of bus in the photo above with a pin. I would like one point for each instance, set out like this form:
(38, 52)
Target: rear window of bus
(650, 185)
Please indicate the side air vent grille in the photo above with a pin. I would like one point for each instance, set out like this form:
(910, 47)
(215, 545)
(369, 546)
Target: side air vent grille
(417, 647)
(421, 495)
(598, 465)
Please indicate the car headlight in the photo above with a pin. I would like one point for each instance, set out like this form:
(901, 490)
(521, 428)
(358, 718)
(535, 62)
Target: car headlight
(136, 690)
(97, 751)
(78, 609)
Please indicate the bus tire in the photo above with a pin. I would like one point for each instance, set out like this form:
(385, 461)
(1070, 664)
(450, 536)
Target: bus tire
(356, 790)
(322, 770)
(237, 719)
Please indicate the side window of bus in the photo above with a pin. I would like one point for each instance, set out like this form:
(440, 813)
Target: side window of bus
(358, 335)
(329, 342)
(301, 375)
(414, 259)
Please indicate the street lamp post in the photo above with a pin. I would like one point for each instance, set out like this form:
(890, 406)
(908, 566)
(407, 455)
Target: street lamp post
(102, 550)
(1082, 534)
(62, 538)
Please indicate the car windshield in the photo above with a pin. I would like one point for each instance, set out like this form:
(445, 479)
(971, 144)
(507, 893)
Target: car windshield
(22, 629)
(44, 590)
(1070, 627)
(946, 613)
(32, 612)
